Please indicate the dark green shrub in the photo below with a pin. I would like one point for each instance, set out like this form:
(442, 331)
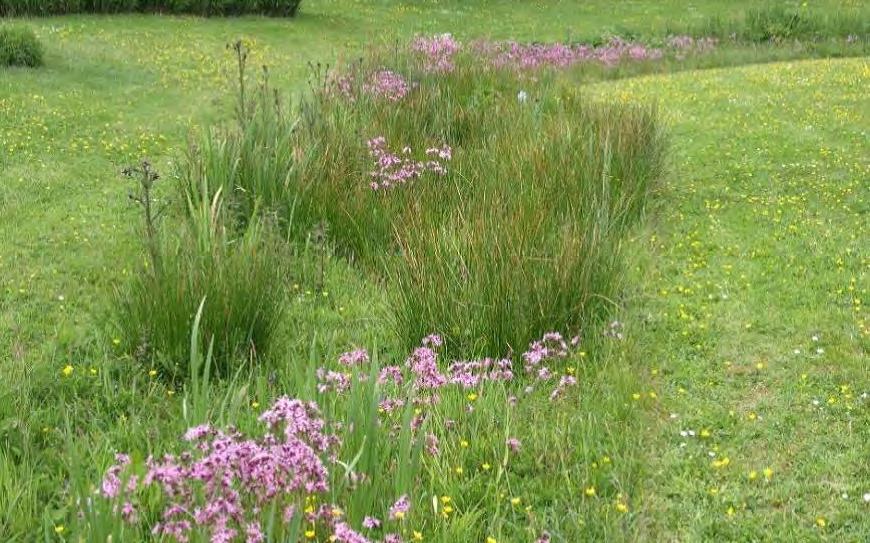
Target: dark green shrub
(19, 47)
(274, 8)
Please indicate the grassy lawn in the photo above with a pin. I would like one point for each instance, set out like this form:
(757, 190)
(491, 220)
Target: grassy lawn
(736, 409)
(750, 312)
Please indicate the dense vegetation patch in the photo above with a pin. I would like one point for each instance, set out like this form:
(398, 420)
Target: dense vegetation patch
(19, 46)
(276, 8)
(494, 204)
(778, 23)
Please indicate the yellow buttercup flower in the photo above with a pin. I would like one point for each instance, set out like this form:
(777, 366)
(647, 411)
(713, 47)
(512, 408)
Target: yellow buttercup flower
(67, 370)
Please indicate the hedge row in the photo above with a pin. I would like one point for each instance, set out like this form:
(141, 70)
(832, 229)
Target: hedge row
(275, 8)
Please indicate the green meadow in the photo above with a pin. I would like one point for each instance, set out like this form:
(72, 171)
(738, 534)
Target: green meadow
(699, 222)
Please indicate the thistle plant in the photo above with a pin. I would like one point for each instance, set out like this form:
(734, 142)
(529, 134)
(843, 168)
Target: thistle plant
(144, 177)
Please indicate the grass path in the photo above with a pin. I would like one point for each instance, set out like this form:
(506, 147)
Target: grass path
(751, 313)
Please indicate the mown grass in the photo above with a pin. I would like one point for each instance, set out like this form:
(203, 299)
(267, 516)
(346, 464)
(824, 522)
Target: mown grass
(754, 320)
(61, 151)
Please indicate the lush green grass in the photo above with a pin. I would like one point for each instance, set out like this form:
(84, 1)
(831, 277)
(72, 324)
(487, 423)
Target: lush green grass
(751, 311)
(767, 205)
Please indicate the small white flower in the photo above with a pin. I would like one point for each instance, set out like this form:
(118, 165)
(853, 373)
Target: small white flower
(711, 454)
(522, 96)
(684, 433)
(845, 496)
(674, 415)
(692, 433)
(797, 351)
(867, 497)
(815, 338)
(820, 351)
(816, 403)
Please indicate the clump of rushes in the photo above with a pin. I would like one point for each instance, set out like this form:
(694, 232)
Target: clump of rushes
(19, 46)
(508, 262)
(206, 258)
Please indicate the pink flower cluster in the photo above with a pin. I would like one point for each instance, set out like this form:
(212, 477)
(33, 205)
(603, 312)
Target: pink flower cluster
(561, 55)
(436, 51)
(391, 169)
(423, 370)
(382, 84)
(387, 85)
(224, 480)
(354, 358)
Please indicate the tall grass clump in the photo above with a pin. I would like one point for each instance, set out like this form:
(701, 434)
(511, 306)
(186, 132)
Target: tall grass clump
(534, 238)
(235, 274)
(275, 8)
(19, 46)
